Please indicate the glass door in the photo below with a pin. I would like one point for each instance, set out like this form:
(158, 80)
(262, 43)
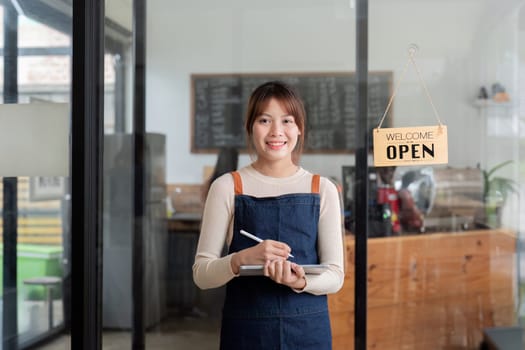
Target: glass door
(203, 60)
(35, 86)
(443, 249)
(119, 173)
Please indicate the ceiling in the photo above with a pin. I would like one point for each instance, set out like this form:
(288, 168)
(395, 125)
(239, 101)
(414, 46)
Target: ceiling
(58, 15)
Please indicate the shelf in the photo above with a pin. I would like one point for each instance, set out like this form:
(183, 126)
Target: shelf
(480, 103)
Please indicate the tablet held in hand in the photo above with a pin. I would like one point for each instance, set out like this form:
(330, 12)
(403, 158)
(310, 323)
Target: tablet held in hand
(258, 270)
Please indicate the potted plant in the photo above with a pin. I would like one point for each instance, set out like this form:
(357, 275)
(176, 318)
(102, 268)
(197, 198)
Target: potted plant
(496, 190)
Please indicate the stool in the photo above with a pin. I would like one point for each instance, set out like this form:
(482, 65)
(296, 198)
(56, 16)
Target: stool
(502, 338)
(48, 282)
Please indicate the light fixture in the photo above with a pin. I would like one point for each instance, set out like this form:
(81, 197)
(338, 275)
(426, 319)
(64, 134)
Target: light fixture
(34, 139)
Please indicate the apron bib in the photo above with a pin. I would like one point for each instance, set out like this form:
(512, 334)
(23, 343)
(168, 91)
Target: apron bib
(259, 313)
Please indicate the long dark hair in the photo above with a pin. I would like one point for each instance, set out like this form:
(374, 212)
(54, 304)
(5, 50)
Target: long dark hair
(227, 161)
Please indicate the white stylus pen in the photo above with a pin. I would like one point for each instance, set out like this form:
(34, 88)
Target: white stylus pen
(256, 239)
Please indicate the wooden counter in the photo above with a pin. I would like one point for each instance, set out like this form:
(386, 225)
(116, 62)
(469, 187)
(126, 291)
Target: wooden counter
(182, 294)
(433, 291)
(184, 222)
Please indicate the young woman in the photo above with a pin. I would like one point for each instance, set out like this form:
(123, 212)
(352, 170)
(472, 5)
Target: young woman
(293, 211)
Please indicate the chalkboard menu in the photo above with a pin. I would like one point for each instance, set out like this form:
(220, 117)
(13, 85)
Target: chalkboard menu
(219, 104)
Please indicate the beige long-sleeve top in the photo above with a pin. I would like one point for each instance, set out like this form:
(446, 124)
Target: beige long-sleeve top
(210, 270)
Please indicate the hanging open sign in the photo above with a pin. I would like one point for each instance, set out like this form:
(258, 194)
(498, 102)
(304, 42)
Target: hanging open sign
(411, 146)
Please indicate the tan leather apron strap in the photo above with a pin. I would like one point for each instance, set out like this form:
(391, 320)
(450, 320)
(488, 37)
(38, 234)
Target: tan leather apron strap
(316, 179)
(237, 182)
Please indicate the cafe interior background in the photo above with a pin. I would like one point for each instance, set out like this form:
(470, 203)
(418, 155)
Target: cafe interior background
(471, 56)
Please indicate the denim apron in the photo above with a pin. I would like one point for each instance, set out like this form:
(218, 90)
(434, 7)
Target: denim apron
(259, 313)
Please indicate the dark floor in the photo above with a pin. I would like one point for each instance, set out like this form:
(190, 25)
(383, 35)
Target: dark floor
(174, 333)
(189, 327)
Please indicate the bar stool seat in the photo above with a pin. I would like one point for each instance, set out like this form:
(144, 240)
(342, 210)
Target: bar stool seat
(49, 283)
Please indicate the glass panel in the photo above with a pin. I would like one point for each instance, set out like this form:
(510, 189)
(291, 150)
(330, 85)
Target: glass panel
(307, 43)
(448, 267)
(41, 203)
(117, 303)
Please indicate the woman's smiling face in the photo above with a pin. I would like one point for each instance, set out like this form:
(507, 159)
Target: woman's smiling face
(275, 133)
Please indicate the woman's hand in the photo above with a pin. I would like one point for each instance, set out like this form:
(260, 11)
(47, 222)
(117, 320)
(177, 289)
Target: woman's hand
(259, 254)
(285, 272)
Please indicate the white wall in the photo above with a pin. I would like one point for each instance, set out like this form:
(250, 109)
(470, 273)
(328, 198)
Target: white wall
(299, 36)
(497, 52)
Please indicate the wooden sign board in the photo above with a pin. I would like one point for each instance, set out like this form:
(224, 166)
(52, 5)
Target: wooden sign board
(411, 146)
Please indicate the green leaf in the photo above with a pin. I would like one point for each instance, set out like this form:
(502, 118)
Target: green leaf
(501, 185)
(497, 167)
